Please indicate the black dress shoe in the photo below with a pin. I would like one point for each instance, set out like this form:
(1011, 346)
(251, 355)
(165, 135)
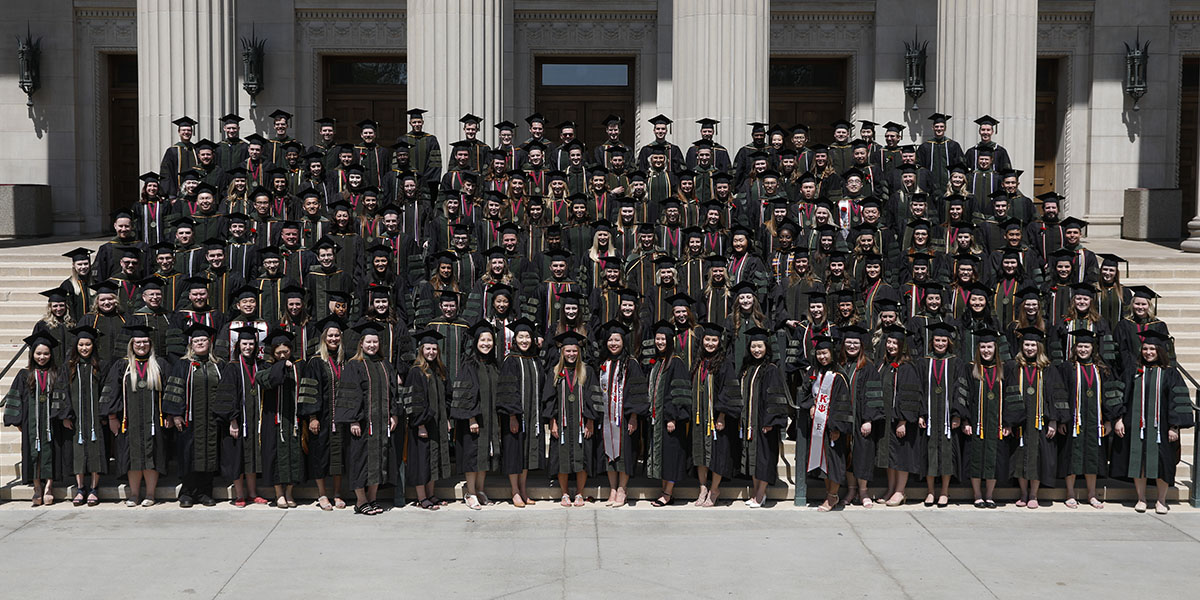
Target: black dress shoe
(207, 500)
(185, 502)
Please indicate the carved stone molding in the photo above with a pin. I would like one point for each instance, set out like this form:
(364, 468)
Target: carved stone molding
(369, 29)
(821, 32)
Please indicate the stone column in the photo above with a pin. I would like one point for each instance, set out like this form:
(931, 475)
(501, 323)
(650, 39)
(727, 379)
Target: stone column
(987, 64)
(186, 65)
(720, 54)
(455, 64)
(1191, 243)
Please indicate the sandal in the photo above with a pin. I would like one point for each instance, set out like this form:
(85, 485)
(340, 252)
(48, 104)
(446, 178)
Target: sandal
(261, 500)
(282, 503)
(364, 509)
(831, 500)
(92, 499)
(518, 501)
(659, 503)
(78, 499)
(619, 499)
(894, 502)
(566, 500)
(323, 502)
(37, 500)
(1020, 503)
(472, 502)
(990, 503)
(701, 497)
(1096, 503)
(483, 498)
(711, 500)
(339, 503)
(239, 502)
(48, 496)
(980, 504)
(426, 504)
(1032, 504)
(1071, 503)
(867, 502)
(579, 501)
(376, 508)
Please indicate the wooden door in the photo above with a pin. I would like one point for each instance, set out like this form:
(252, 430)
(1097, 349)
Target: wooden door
(1047, 127)
(811, 91)
(366, 87)
(122, 186)
(585, 90)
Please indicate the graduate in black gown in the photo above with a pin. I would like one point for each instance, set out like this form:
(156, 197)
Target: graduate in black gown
(1092, 388)
(902, 453)
(1040, 405)
(623, 391)
(241, 444)
(571, 402)
(81, 382)
(30, 407)
(283, 392)
(764, 414)
(473, 408)
(1147, 422)
(987, 426)
(426, 399)
(870, 420)
(326, 441)
(944, 396)
(366, 394)
(825, 397)
(670, 399)
(198, 412)
(133, 402)
(716, 408)
(522, 441)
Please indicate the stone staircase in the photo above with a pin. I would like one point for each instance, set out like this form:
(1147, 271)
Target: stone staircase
(27, 270)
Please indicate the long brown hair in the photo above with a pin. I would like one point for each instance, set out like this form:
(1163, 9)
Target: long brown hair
(51, 369)
(74, 359)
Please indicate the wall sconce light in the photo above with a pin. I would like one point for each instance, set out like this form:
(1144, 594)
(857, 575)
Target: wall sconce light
(914, 68)
(252, 66)
(1136, 58)
(29, 53)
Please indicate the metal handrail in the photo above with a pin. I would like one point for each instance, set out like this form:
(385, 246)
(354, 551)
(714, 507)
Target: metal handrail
(13, 360)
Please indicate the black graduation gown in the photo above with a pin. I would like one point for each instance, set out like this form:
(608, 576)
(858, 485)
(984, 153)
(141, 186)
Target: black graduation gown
(1091, 392)
(326, 449)
(1036, 402)
(716, 391)
(572, 403)
(427, 402)
(38, 411)
(670, 398)
(867, 396)
(766, 405)
(243, 454)
(142, 443)
(986, 451)
(365, 394)
(192, 392)
(520, 396)
(80, 392)
(613, 425)
(281, 391)
(902, 395)
(839, 418)
(474, 396)
(944, 394)
(1145, 450)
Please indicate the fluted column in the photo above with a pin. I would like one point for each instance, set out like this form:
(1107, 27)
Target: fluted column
(987, 64)
(455, 56)
(186, 65)
(1191, 243)
(720, 55)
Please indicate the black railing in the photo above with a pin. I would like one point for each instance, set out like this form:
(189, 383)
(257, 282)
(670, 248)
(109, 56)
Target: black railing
(1193, 496)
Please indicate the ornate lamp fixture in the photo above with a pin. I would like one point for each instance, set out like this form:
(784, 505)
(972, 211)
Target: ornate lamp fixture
(914, 68)
(1136, 58)
(29, 53)
(253, 52)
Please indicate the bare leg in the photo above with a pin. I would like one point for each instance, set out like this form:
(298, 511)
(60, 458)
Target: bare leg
(563, 487)
(337, 489)
(622, 487)
(321, 487)
(612, 488)
(1034, 484)
(715, 491)
(901, 484)
(287, 493)
(239, 487)
(1161, 488)
(252, 485)
(975, 489)
(135, 485)
(891, 484)
(944, 496)
(1070, 487)
(524, 486)
(151, 483)
(702, 475)
(360, 496)
(991, 488)
(372, 492)
(280, 499)
(1091, 488)
(1023, 484)
(929, 496)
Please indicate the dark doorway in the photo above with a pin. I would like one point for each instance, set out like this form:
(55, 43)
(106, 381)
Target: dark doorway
(811, 91)
(584, 90)
(1047, 119)
(1189, 104)
(121, 187)
(366, 87)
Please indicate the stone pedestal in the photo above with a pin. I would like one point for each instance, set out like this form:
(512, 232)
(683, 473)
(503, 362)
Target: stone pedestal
(1152, 214)
(186, 65)
(455, 64)
(720, 53)
(25, 211)
(987, 64)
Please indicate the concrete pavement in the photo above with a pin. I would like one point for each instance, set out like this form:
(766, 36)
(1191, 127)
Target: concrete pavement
(639, 552)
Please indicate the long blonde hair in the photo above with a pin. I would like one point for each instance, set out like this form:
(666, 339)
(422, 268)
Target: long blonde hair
(323, 352)
(53, 321)
(1042, 360)
(153, 374)
(580, 369)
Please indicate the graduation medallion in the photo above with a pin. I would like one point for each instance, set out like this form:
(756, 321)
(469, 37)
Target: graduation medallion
(1091, 393)
(570, 397)
(937, 390)
(1029, 390)
(991, 395)
(141, 385)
